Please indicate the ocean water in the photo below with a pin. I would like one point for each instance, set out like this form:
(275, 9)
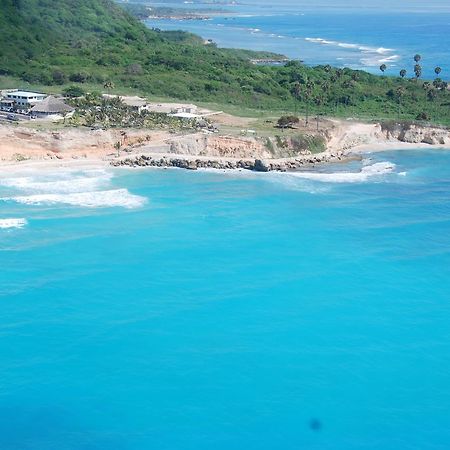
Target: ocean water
(360, 36)
(167, 309)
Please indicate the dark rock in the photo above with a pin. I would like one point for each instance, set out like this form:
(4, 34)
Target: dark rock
(261, 166)
(192, 165)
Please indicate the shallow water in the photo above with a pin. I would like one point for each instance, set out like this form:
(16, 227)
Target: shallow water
(199, 310)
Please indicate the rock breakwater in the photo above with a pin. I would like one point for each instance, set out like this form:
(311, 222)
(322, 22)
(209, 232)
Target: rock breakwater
(257, 165)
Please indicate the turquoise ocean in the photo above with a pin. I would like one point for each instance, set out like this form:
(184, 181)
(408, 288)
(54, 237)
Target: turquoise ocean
(167, 309)
(360, 35)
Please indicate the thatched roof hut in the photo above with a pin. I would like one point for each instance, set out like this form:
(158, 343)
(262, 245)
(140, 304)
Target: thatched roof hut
(50, 106)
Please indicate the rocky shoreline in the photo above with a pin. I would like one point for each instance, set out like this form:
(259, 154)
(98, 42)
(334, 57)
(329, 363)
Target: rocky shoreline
(161, 148)
(257, 165)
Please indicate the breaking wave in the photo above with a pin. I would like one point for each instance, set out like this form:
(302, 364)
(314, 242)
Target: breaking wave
(12, 223)
(367, 172)
(89, 189)
(65, 183)
(371, 56)
(316, 182)
(95, 199)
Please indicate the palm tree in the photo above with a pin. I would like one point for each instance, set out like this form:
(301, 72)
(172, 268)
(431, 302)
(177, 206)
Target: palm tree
(426, 85)
(437, 83)
(400, 94)
(431, 94)
(309, 87)
(403, 73)
(417, 67)
(437, 71)
(383, 68)
(297, 92)
(418, 71)
(325, 85)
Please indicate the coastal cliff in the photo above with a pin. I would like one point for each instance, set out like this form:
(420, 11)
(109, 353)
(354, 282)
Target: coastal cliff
(219, 146)
(416, 134)
(143, 148)
(352, 136)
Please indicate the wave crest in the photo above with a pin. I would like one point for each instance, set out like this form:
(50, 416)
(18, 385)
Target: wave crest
(95, 199)
(89, 189)
(367, 172)
(66, 182)
(373, 55)
(12, 223)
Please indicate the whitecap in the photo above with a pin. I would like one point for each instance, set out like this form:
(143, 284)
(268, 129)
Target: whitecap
(374, 55)
(367, 172)
(12, 223)
(321, 41)
(94, 199)
(375, 61)
(67, 185)
(344, 45)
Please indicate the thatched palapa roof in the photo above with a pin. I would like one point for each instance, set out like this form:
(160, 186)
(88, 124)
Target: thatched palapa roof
(52, 105)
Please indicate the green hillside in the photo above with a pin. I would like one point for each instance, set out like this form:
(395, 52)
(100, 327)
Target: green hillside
(91, 42)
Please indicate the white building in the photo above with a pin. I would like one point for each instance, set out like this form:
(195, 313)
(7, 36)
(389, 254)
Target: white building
(6, 104)
(23, 99)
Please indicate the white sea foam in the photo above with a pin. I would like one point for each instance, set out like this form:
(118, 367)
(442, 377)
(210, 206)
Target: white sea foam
(373, 55)
(68, 185)
(367, 172)
(363, 48)
(12, 223)
(374, 61)
(94, 199)
(88, 188)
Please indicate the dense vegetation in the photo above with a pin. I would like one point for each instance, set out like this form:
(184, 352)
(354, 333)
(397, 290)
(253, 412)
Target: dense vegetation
(143, 11)
(93, 110)
(95, 42)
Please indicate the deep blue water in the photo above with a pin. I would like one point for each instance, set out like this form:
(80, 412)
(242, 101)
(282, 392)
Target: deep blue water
(361, 36)
(210, 310)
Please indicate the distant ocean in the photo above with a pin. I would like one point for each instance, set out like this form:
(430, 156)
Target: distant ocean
(177, 310)
(360, 36)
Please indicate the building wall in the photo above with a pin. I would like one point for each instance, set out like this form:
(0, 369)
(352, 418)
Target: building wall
(25, 100)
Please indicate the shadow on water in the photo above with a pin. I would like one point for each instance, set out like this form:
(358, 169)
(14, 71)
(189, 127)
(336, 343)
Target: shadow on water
(315, 425)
